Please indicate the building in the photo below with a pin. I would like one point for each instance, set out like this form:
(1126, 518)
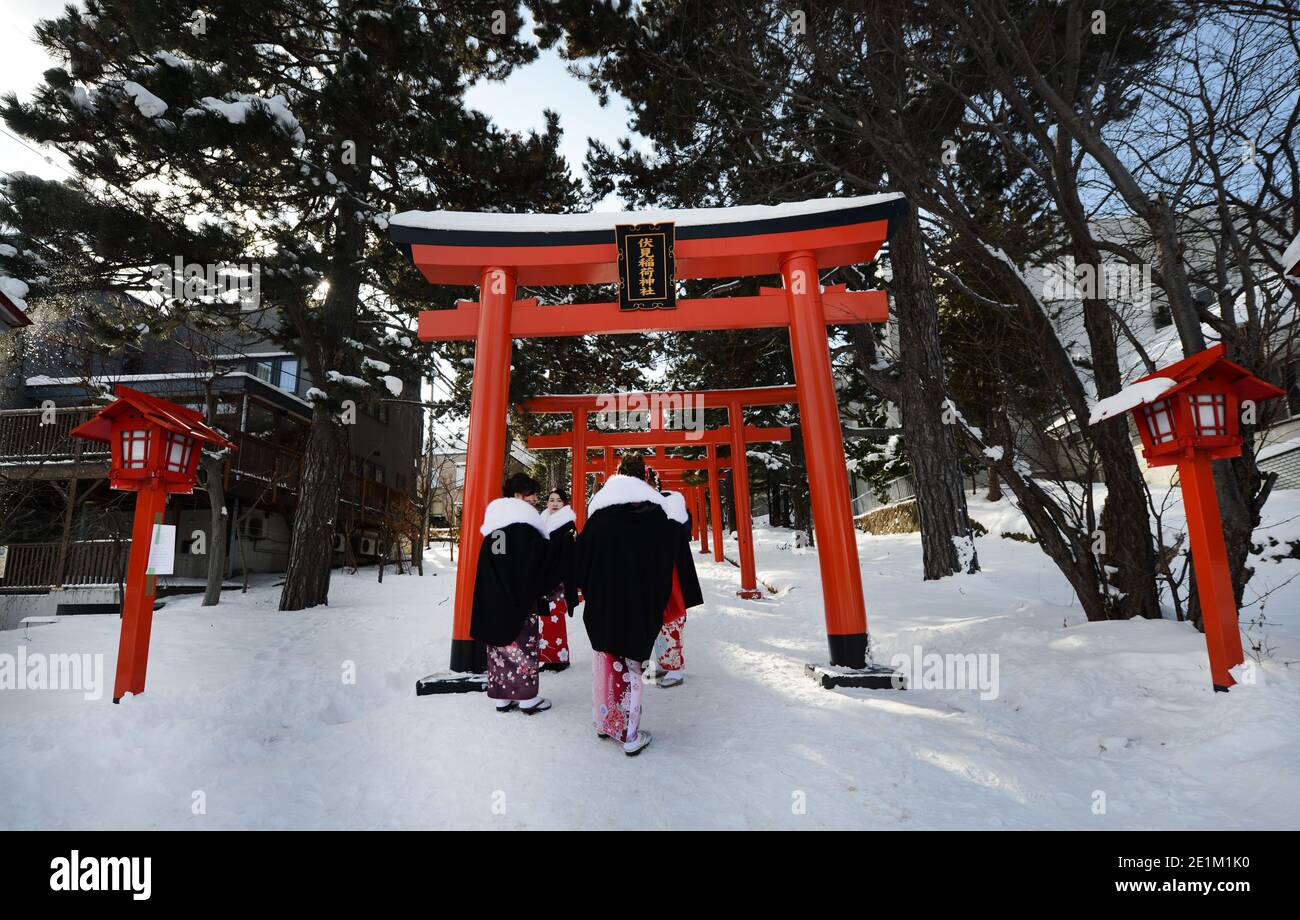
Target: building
(67, 535)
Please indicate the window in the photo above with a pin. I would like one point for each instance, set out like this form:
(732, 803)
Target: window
(264, 370)
(1160, 316)
(288, 375)
(1210, 413)
(1160, 421)
(135, 449)
(179, 449)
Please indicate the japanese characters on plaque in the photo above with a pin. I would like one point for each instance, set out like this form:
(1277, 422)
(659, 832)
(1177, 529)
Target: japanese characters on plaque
(645, 266)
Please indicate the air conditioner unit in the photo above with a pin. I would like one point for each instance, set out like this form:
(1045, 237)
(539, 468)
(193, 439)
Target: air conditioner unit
(340, 543)
(367, 547)
(255, 528)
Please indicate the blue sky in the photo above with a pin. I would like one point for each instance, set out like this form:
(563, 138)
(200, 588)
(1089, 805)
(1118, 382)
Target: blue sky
(516, 104)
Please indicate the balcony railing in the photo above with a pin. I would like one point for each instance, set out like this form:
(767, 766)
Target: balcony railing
(42, 435)
(89, 562)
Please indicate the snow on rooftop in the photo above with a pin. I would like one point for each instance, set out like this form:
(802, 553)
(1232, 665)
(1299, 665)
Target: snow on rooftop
(1132, 396)
(1291, 258)
(607, 220)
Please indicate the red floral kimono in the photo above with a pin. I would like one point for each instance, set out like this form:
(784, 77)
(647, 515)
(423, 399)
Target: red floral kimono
(669, 654)
(616, 696)
(553, 644)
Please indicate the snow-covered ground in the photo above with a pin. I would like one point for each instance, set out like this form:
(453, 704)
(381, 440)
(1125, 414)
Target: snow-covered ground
(248, 721)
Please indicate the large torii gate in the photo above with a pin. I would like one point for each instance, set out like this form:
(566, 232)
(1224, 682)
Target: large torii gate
(736, 434)
(499, 252)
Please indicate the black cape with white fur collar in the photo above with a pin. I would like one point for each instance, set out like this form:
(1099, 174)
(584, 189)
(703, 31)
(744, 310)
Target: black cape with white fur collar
(516, 566)
(675, 504)
(562, 529)
(624, 566)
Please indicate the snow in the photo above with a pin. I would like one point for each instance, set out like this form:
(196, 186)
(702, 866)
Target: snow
(607, 220)
(1132, 396)
(394, 384)
(994, 453)
(15, 290)
(150, 106)
(1276, 449)
(236, 111)
(252, 707)
(346, 379)
(1291, 258)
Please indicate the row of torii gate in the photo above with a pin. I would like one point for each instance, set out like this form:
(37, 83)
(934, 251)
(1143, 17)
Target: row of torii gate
(704, 501)
(500, 252)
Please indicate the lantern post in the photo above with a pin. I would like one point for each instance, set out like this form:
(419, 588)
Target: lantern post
(154, 450)
(1189, 415)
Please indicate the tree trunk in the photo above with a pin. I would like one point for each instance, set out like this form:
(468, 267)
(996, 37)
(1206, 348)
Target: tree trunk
(217, 532)
(307, 577)
(927, 414)
(799, 497)
(994, 493)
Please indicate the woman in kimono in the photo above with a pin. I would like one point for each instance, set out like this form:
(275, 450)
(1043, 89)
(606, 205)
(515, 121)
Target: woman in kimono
(554, 607)
(670, 659)
(624, 566)
(515, 568)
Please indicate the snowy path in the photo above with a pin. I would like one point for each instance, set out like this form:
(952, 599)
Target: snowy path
(247, 706)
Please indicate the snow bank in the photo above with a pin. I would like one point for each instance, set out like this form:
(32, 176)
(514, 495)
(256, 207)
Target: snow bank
(309, 719)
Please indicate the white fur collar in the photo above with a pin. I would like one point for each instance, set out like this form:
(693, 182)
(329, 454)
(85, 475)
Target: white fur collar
(554, 520)
(624, 490)
(502, 512)
(675, 506)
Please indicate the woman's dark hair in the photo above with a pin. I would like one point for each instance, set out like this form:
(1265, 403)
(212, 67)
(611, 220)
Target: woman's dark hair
(632, 465)
(564, 496)
(520, 484)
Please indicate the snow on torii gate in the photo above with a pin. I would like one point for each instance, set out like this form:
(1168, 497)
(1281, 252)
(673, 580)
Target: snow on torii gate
(498, 252)
(735, 434)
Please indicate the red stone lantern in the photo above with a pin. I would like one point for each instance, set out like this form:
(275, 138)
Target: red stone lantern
(155, 447)
(1189, 414)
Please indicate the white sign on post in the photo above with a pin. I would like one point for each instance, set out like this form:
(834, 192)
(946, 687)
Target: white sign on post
(162, 550)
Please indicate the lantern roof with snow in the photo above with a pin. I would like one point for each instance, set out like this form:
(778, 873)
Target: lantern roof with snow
(11, 314)
(166, 415)
(1179, 376)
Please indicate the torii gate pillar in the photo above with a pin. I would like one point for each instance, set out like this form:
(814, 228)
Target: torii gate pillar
(485, 451)
(837, 550)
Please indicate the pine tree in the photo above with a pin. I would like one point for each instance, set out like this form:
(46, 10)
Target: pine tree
(722, 90)
(277, 134)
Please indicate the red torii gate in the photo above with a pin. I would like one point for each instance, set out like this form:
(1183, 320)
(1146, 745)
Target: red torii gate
(673, 469)
(498, 252)
(735, 434)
